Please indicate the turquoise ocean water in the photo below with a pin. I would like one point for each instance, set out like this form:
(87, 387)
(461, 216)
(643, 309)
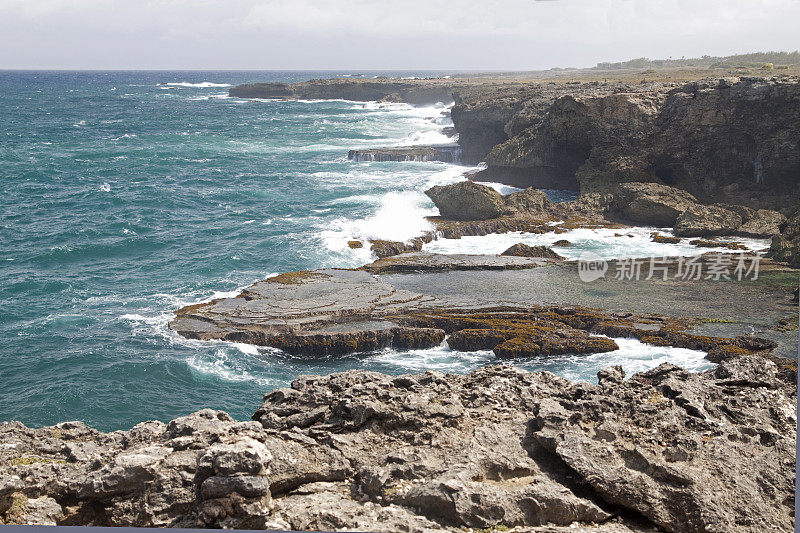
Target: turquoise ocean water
(129, 194)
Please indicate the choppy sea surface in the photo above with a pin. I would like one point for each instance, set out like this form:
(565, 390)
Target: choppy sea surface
(127, 195)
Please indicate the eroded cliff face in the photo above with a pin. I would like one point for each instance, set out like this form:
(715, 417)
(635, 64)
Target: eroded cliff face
(733, 140)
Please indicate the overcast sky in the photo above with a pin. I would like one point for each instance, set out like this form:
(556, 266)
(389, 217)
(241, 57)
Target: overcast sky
(383, 34)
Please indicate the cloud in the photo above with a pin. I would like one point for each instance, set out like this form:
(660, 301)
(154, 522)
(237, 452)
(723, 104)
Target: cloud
(438, 34)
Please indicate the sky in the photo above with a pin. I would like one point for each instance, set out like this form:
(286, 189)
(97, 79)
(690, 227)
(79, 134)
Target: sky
(383, 34)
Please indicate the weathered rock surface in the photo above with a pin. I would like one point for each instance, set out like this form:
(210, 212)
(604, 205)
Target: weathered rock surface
(428, 262)
(674, 446)
(500, 447)
(467, 200)
(651, 203)
(325, 312)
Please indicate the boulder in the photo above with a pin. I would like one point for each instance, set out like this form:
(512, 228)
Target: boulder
(528, 202)
(651, 204)
(706, 221)
(783, 249)
(467, 200)
(667, 444)
(523, 250)
(383, 248)
(762, 223)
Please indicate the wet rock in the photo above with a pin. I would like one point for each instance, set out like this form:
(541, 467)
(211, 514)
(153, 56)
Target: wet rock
(320, 313)
(467, 200)
(665, 239)
(548, 340)
(355, 244)
(524, 250)
(562, 242)
(41, 511)
(383, 248)
(705, 243)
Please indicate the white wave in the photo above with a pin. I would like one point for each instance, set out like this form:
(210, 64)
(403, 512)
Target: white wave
(201, 84)
(105, 187)
(501, 188)
(633, 355)
(606, 242)
(426, 137)
(223, 365)
(399, 217)
(124, 136)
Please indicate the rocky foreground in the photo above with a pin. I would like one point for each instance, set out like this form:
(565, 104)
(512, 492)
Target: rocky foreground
(663, 450)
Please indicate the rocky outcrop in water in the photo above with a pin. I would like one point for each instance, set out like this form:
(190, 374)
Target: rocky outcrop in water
(523, 250)
(470, 201)
(467, 200)
(422, 92)
(336, 312)
(498, 448)
(446, 154)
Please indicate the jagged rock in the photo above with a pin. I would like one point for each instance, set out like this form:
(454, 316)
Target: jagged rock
(383, 248)
(325, 312)
(499, 447)
(467, 200)
(528, 202)
(651, 204)
(523, 250)
(706, 221)
(709, 452)
(665, 239)
(720, 140)
(761, 223)
(41, 511)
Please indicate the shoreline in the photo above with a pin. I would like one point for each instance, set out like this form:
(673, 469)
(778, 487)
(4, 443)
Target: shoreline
(444, 452)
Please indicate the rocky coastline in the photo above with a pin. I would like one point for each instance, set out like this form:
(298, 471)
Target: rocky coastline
(721, 153)
(501, 448)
